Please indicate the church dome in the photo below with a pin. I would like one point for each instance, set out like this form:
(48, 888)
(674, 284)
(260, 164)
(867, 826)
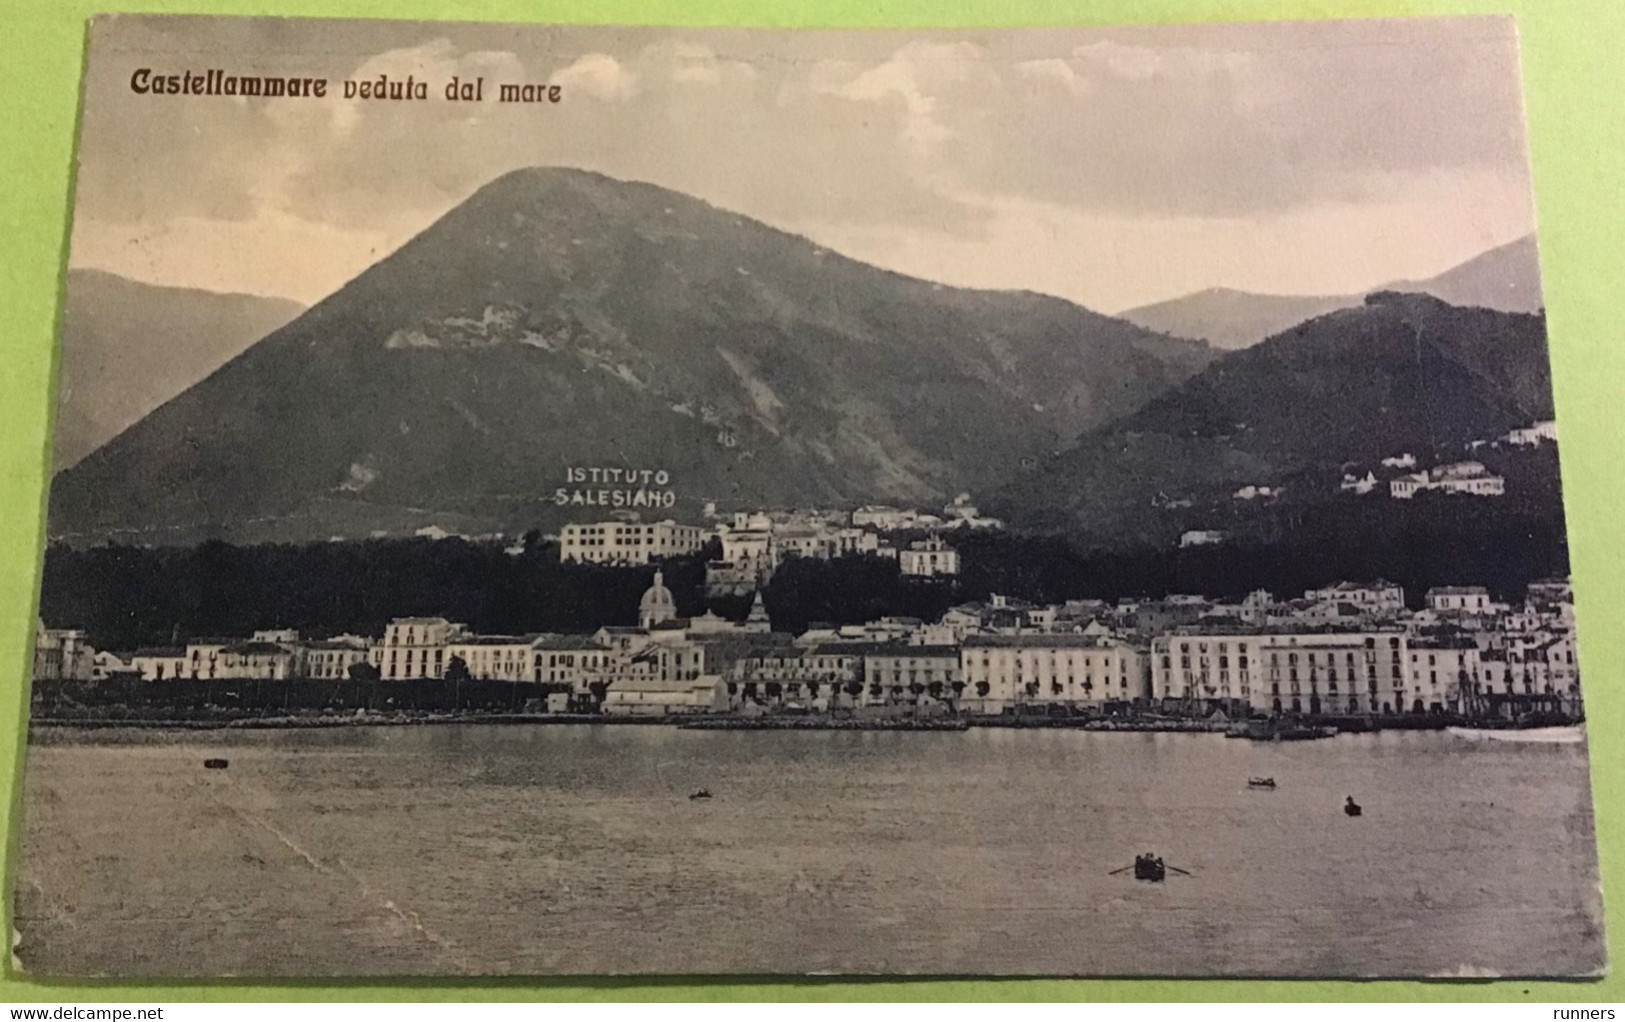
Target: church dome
(657, 604)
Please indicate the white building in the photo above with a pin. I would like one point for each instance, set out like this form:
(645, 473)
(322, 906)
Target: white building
(331, 659)
(62, 654)
(1530, 436)
(1379, 597)
(160, 663)
(1005, 671)
(1460, 600)
(414, 647)
(628, 543)
(1439, 670)
(1406, 460)
(1283, 672)
(1201, 537)
(928, 558)
(1470, 478)
(1358, 484)
(661, 697)
(496, 657)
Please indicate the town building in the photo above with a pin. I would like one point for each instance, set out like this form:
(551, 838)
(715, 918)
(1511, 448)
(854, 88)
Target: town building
(1459, 600)
(1469, 478)
(106, 665)
(905, 673)
(1003, 672)
(414, 647)
(1378, 598)
(1201, 537)
(265, 660)
(62, 654)
(928, 558)
(160, 663)
(1529, 436)
(1442, 670)
(495, 657)
(1358, 484)
(331, 659)
(1356, 671)
(657, 605)
(628, 543)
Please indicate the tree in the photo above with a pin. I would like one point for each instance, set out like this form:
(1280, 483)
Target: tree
(362, 671)
(457, 670)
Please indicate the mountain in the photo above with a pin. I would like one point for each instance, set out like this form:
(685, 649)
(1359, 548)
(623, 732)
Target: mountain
(1505, 278)
(128, 347)
(559, 319)
(1401, 372)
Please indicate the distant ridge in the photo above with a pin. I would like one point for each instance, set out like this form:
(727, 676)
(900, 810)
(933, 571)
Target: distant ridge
(1400, 372)
(127, 347)
(1505, 278)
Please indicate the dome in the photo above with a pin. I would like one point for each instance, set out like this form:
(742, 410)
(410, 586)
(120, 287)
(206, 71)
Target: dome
(657, 604)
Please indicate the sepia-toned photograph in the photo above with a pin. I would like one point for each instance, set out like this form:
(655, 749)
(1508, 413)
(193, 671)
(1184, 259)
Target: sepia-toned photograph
(552, 500)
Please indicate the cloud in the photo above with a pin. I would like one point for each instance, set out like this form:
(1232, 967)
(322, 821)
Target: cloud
(598, 75)
(898, 145)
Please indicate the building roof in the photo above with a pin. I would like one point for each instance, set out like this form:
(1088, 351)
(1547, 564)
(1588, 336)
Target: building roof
(497, 640)
(166, 652)
(1458, 591)
(899, 649)
(565, 642)
(256, 648)
(1040, 640)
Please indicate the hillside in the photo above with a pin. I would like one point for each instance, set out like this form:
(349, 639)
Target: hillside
(559, 318)
(128, 347)
(1399, 373)
(1506, 278)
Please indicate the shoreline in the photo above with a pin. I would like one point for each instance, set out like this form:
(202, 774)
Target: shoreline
(703, 722)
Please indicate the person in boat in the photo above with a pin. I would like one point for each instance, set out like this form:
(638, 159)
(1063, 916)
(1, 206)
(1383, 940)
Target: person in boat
(1350, 806)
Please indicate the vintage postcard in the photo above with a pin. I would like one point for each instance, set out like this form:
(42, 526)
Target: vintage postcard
(563, 500)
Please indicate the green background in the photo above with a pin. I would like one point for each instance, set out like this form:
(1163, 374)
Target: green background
(1576, 104)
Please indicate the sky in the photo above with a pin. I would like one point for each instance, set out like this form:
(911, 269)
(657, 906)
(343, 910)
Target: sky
(1113, 167)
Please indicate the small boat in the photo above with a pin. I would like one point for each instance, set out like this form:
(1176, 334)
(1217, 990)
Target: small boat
(215, 764)
(1544, 735)
(1351, 807)
(1150, 868)
(702, 793)
(1260, 782)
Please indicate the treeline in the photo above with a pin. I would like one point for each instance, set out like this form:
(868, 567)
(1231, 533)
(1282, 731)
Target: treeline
(128, 597)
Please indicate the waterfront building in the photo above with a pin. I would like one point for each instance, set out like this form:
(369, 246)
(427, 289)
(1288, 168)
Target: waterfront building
(662, 697)
(928, 558)
(628, 543)
(905, 673)
(414, 647)
(574, 660)
(1442, 671)
(203, 657)
(1355, 671)
(1201, 537)
(495, 657)
(331, 659)
(106, 665)
(1002, 672)
(268, 660)
(62, 654)
(160, 663)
